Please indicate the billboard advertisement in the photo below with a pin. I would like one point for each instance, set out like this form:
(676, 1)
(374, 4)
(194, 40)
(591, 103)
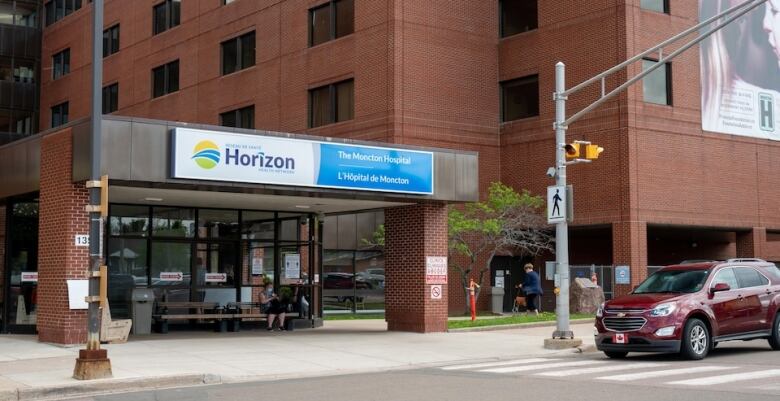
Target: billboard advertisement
(740, 72)
(221, 156)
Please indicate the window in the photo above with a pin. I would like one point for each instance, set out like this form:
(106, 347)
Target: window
(226, 2)
(661, 6)
(111, 41)
(726, 276)
(749, 277)
(520, 98)
(59, 115)
(59, 9)
(331, 103)
(517, 16)
(238, 53)
(165, 79)
(166, 15)
(110, 98)
(331, 20)
(61, 63)
(240, 118)
(657, 86)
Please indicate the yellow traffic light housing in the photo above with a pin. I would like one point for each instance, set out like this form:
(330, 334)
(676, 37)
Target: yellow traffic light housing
(592, 152)
(572, 150)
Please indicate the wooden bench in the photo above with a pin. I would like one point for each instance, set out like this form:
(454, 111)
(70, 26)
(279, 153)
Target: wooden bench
(192, 311)
(246, 311)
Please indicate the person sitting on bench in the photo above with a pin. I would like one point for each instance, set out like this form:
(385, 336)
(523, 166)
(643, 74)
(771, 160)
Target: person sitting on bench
(273, 306)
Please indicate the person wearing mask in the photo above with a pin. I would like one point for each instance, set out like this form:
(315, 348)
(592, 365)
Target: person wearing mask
(272, 305)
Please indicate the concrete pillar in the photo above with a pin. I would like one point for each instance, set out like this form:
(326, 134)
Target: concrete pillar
(61, 217)
(752, 244)
(411, 234)
(629, 247)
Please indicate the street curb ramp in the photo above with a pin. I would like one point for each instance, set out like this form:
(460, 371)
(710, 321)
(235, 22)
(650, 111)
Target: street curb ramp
(108, 386)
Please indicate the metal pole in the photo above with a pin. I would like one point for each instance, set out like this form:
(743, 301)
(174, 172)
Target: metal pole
(95, 251)
(562, 228)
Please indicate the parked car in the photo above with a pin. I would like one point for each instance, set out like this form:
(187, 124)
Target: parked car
(690, 308)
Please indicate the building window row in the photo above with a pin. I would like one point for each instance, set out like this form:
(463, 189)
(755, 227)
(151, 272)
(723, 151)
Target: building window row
(238, 53)
(165, 79)
(59, 115)
(332, 103)
(331, 20)
(111, 41)
(60, 64)
(59, 9)
(166, 15)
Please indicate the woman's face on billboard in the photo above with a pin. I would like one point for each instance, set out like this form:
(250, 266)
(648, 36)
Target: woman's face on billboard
(772, 25)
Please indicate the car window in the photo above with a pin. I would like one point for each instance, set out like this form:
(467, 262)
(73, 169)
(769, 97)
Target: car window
(673, 281)
(773, 271)
(749, 277)
(726, 276)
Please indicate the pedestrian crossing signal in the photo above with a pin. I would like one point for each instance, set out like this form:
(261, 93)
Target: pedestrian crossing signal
(592, 152)
(572, 150)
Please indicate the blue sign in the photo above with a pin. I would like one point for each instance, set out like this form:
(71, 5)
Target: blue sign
(375, 169)
(622, 275)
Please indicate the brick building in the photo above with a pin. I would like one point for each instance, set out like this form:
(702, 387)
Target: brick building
(474, 77)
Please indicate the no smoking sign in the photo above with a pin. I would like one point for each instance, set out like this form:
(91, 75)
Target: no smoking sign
(435, 292)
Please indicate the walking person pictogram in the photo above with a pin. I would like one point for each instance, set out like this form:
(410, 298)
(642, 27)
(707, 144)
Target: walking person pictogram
(557, 198)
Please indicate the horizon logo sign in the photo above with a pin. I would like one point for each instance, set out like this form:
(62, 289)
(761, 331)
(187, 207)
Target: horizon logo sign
(221, 156)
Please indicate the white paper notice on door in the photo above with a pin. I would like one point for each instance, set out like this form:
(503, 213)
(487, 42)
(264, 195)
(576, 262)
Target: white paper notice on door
(292, 266)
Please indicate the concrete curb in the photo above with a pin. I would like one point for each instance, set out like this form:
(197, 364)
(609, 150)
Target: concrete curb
(109, 386)
(514, 326)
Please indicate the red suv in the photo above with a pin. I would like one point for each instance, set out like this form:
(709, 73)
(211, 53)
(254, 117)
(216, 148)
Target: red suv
(689, 308)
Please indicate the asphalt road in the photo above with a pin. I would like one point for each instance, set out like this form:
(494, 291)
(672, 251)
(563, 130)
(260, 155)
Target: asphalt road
(733, 372)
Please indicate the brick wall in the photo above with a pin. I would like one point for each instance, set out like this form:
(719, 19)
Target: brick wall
(3, 211)
(411, 234)
(61, 216)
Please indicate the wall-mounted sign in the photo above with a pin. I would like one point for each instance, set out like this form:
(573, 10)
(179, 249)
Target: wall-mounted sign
(436, 270)
(216, 277)
(292, 266)
(622, 275)
(500, 282)
(436, 291)
(81, 240)
(257, 266)
(29, 277)
(220, 156)
(171, 276)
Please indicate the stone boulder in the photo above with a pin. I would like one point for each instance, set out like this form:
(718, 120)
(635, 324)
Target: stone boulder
(584, 296)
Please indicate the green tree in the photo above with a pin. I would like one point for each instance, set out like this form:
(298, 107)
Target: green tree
(507, 223)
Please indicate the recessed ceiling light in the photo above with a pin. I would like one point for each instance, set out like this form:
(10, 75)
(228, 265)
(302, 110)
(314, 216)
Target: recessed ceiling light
(303, 206)
(153, 199)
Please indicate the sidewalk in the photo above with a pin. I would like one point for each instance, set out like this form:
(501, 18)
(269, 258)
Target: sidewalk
(32, 370)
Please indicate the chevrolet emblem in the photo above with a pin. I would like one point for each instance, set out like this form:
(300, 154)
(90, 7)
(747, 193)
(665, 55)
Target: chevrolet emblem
(621, 314)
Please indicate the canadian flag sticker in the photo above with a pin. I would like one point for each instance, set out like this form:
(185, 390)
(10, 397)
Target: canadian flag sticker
(620, 338)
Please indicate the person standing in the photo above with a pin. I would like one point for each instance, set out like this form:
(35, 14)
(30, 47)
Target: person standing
(532, 287)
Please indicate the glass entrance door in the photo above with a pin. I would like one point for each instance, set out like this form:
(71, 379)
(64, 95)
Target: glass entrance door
(20, 313)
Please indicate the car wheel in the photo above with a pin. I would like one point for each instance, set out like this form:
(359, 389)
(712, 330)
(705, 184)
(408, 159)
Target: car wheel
(615, 354)
(695, 340)
(774, 339)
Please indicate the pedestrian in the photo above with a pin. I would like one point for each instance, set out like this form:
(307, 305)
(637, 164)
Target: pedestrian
(532, 287)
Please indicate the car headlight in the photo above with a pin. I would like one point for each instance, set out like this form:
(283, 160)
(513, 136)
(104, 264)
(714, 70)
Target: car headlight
(663, 309)
(600, 310)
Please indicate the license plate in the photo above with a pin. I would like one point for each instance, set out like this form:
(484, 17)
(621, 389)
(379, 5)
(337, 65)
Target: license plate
(620, 338)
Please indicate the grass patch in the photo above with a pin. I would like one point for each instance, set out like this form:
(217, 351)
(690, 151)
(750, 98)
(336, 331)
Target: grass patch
(521, 318)
(354, 316)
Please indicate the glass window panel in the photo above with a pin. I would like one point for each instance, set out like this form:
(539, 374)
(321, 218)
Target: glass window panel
(173, 222)
(345, 17)
(338, 288)
(170, 257)
(216, 258)
(229, 56)
(159, 18)
(655, 84)
(750, 277)
(319, 106)
(247, 117)
(258, 225)
(520, 98)
(248, 50)
(369, 282)
(175, 12)
(726, 276)
(66, 61)
(158, 81)
(319, 29)
(289, 230)
(228, 119)
(60, 11)
(345, 100)
(518, 16)
(129, 220)
(258, 263)
(127, 268)
(217, 223)
(6, 17)
(660, 6)
(49, 13)
(290, 273)
(173, 76)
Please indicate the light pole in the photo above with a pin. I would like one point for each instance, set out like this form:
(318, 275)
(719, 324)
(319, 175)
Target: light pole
(563, 330)
(93, 362)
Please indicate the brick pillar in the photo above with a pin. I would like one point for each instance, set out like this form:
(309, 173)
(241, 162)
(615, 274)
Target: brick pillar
(629, 247)
(3, 267)
(752, 244)
(61, 216)
(411, 234)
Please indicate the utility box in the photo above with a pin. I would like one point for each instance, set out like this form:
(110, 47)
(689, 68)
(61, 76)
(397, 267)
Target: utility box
(497, 299)
(142, 305)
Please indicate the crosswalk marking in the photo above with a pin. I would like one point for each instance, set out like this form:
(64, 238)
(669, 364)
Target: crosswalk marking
(513, 369)
(600, 369)
(500, 363)
(662, 373)
(707, 381)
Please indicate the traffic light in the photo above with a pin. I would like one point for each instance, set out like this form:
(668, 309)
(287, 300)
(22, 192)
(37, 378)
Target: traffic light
(592, 152)
(572, 150)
